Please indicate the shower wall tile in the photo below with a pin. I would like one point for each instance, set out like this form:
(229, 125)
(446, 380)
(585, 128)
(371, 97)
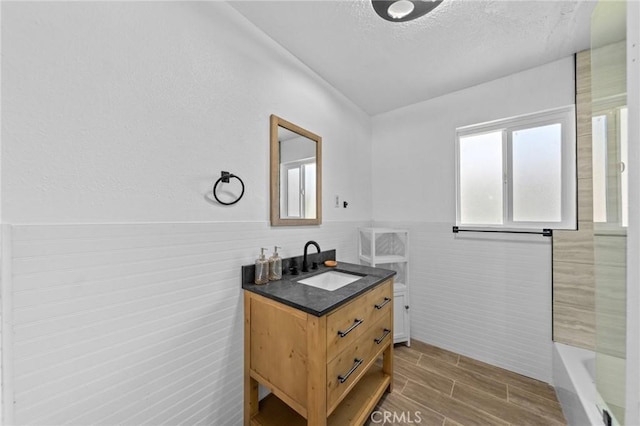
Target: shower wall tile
(573, 251)
(584, 149)
(574, 246)
(612, 77)
(611, 250)
(611, 294)
(574, 326)
(611, 334)
(585, 201)
(568, 285)
(583, 73)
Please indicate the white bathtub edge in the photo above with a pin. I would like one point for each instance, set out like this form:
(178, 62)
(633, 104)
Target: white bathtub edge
(574, 386)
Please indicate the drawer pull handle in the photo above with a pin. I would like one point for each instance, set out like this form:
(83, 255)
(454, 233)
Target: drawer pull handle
(356, 364)
(386, 300)
(356, 323)
(381, 338)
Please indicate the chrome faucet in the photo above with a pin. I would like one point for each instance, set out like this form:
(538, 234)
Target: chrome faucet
(305, 264)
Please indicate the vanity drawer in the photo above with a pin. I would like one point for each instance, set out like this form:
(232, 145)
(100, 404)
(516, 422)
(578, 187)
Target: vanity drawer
(379, 302)
(344, 371)
(348, 323)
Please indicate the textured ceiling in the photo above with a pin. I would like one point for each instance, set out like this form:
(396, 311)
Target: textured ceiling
(383, 65)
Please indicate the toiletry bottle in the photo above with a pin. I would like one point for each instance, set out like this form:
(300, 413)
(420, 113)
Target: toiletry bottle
(275, 265)
(262, 269)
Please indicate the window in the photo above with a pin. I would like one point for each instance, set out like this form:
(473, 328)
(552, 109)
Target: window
(298, 186)
(518, 172)
(609, 160)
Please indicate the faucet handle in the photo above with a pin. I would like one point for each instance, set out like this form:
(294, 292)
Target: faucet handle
(314, 265)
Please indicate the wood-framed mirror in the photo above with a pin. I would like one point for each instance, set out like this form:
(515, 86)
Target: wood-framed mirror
(296, 175)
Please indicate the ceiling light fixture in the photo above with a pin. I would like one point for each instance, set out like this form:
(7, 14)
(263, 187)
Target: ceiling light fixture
(400, 9)
(403, 10)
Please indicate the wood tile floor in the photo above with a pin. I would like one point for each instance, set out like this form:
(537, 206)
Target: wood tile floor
(452, 390)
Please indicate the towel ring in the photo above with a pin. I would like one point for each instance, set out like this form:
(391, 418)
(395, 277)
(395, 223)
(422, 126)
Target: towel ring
(226, 176)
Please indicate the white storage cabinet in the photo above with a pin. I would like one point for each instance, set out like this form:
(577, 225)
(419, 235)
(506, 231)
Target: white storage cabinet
(389, 248)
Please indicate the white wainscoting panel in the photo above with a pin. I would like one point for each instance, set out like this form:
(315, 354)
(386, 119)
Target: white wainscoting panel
(486, 296)
(138, 324)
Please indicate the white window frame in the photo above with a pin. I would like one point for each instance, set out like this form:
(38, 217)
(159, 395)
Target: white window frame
(567, 119)
(611, 110)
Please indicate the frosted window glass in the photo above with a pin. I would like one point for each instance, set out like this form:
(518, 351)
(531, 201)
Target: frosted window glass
(293, 192)
(481, 179)
(537, 174)
(310, 191)
(599, 162)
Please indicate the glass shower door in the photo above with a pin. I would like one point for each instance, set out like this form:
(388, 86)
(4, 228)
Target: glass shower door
(610, 210)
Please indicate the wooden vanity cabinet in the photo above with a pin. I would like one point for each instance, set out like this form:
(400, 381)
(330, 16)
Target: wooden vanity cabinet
(320, 370)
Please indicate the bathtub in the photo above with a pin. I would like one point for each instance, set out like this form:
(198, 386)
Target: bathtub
(574, 380)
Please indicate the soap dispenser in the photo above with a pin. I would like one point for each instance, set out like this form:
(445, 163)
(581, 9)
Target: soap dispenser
(262, 269)
(275, 265)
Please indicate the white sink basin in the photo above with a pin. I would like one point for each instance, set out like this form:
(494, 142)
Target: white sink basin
(330, 280)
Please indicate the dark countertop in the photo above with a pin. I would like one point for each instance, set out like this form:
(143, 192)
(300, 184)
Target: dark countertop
(314, 300)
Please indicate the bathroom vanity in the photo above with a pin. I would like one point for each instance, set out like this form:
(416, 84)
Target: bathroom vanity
(326, 356)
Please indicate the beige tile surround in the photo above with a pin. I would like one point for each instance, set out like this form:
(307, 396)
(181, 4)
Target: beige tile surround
(574, 315)
(575, 253)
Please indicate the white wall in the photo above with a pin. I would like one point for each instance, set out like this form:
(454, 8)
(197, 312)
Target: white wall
(132, 324)
(117, 119)
(488, 298)
(117, 112)
(413, 147)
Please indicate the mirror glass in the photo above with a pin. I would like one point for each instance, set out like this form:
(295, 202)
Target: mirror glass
(295, 175)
